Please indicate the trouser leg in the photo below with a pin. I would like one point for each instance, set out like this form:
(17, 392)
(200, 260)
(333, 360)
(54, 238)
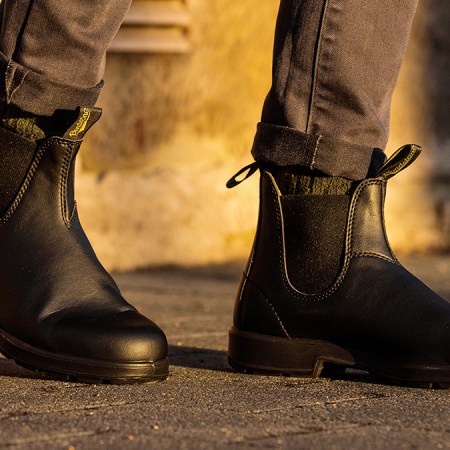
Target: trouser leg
(335, 66)
(53, 51)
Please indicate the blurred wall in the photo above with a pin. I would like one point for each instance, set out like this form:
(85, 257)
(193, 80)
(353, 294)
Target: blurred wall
(151, 182)
(418, 206)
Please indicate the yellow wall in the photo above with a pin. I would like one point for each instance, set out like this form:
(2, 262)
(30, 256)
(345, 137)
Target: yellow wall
(151, 184)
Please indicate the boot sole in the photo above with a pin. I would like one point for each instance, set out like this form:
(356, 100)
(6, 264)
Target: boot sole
(258, 353)
(83, 370)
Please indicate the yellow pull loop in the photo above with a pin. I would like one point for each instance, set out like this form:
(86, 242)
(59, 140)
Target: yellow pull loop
(399, 161)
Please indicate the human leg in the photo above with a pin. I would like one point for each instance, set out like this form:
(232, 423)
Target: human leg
(60, 311)
(322, 284)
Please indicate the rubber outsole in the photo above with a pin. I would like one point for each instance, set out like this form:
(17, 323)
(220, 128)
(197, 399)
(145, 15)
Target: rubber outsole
(83, 370)
(263, 354)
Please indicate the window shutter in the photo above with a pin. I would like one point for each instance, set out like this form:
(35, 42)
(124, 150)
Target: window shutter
(154, 26)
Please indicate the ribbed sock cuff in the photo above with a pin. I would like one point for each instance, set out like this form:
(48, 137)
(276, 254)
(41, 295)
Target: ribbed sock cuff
(300, 181)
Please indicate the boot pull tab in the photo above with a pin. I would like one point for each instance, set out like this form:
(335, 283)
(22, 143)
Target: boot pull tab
(86, 118)
(250, 169)
(400, 160)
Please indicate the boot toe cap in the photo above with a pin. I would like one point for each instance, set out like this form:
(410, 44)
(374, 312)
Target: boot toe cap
(125, 336)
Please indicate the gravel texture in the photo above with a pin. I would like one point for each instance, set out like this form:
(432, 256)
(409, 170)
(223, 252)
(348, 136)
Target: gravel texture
(204, 404)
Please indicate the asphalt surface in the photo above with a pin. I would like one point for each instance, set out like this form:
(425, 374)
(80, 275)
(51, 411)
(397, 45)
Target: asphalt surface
(204, 404)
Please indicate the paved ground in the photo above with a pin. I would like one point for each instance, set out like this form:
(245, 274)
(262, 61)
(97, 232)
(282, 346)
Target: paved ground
(204, 404)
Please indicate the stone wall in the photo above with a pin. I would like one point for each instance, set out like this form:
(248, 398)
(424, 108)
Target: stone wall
(151, 180)
(418, 206)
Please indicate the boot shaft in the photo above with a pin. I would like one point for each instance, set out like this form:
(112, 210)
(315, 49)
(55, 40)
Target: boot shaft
(304, 246)
(20, 158)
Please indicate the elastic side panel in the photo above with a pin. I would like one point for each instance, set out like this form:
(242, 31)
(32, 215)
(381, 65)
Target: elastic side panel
(16, 155)
(314, 229)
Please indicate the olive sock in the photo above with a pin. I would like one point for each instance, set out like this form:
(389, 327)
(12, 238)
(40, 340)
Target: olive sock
(293, 180)
(34, 127)
(26, 127)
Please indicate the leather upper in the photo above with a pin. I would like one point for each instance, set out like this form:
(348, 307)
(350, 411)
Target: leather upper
(54, 293)
(373, 304)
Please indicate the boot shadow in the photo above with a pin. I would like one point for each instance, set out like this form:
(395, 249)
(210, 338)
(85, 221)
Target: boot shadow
(199, 358)
(9, 368)
(216, 360)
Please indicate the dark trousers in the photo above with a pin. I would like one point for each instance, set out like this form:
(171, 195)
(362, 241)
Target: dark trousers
(336, 63)
(52, 52)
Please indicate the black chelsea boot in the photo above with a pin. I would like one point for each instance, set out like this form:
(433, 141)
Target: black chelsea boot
(322, 286)
(60, 311)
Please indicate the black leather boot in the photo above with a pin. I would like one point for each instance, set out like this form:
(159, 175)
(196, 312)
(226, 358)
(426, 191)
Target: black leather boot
(60, 311)
(323, 286)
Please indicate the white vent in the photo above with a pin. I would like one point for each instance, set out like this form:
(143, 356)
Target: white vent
(154, 26)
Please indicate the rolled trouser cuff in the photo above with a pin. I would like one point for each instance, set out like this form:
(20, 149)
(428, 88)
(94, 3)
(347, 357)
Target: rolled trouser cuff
(38, 94)
(284, 146)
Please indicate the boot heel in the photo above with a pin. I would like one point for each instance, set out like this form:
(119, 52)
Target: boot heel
(254, 352)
